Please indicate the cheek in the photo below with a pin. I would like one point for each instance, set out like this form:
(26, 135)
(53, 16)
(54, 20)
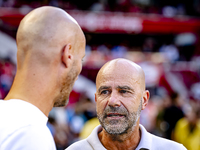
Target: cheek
(79, 66)
(101, 105)
(131, 103)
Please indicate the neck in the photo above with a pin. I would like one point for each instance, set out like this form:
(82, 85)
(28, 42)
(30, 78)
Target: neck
(129, 140)
(35, 89)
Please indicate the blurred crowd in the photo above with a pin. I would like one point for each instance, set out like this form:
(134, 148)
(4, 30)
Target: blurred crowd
(167, 8)
(171, 64)
(172, 77)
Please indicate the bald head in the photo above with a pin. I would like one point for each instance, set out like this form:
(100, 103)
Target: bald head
(50, 49)
(122, 68)
(120, 86)
(44, 32)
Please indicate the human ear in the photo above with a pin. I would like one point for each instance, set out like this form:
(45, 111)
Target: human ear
(67, 55)
(95, 97)
(145, 99)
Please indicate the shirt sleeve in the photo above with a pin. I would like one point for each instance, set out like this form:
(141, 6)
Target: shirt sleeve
(30, 138)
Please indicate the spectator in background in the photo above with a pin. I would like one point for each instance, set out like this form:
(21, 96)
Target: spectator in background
(119, 51)
(7, 72)
(120, 97)
(50, 48)
(187, 130)
(170, 52)
(172, 114)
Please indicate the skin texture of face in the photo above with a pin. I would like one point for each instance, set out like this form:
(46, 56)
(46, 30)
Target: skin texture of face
(117, 120)
(120, 96)
(50, 49)
(69, 80)
(67, 87)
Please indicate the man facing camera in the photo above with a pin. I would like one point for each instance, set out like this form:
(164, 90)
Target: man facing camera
(120, 97)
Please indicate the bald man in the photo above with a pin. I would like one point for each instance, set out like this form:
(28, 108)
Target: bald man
(120, 97)
(51, 46)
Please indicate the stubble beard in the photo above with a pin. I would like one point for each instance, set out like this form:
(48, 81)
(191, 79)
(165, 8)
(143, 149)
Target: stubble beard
(67, 86)
(119, 126)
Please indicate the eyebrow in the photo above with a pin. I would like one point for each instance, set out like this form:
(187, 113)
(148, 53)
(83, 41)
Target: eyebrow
(103, 88)
(125, 88)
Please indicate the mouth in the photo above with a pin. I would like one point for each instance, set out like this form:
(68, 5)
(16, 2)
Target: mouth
(115, 115)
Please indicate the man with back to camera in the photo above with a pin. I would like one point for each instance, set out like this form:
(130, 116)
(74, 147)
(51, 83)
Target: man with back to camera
(51, 46)
(120, 97)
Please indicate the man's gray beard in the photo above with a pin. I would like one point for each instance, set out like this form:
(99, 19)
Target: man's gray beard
(119, 127)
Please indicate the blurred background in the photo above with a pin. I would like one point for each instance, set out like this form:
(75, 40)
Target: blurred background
(163, 37)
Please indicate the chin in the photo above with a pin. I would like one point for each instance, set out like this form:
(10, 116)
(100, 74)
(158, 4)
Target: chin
(66, 88)
(62, 101)
(61, 104)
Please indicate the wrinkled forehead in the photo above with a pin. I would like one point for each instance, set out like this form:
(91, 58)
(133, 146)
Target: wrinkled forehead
(120, 72)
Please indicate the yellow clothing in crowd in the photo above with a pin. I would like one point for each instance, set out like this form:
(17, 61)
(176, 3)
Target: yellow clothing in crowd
(88, 127)
(183, 135)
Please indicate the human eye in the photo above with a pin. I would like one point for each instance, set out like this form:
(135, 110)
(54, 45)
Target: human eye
(123, 91)
(104, 92)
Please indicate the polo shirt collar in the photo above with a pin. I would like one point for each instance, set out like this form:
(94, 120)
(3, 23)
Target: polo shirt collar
(145, 141)
(93, 139)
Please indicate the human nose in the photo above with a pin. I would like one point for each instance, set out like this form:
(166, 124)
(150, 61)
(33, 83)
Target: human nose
(114, 100)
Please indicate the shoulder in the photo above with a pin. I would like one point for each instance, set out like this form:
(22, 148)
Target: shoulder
(29, 137)
(151, 141)
(159, 142)
(82, 144)
(90, 143)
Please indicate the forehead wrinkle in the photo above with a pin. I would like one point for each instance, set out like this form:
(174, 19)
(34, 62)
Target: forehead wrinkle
(134, 71)
(125, 87)
(119, 68)
(103, 88)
